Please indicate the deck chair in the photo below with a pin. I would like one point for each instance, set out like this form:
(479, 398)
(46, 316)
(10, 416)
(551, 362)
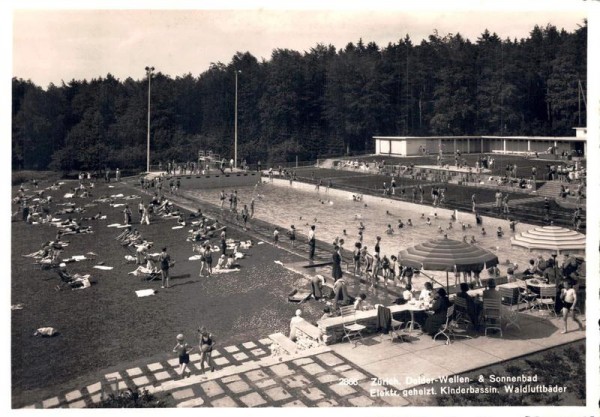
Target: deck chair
(352, 330)
(547, 299)
(492, 314)
(152, 262)
(450, 328)
(511, 306)
(65, 280)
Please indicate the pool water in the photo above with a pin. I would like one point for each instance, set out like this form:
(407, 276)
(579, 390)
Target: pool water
(333, 211)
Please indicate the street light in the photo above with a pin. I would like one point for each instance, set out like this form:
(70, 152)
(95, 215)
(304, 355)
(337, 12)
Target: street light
(149, 75)
(236, 120)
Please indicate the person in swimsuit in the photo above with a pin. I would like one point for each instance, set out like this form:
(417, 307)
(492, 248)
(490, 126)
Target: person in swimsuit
(208, 258)
(183, 350)
(569, 298)
(206, 346)
(357, 258)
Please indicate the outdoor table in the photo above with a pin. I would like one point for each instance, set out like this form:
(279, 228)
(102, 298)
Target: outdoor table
(535, 284)
(413, 306)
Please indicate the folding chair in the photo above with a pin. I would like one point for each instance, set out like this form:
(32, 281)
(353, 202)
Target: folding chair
(461, 317)
(526, 296)
(450, 328)
(510, 306)
(547, 298)
(395, 325)
(352, 330)
(492, 315)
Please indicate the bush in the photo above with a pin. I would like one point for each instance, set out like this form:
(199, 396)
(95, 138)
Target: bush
(131, 398)
(20, 177)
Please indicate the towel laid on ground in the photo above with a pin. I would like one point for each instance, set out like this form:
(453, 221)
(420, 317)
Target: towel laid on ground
(103, 267)
(145, 293)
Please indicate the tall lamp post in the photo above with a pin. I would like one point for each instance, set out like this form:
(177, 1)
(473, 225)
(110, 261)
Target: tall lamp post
(236, 120)
(149, 71)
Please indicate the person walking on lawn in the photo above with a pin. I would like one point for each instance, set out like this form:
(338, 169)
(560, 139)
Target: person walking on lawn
(165, 261)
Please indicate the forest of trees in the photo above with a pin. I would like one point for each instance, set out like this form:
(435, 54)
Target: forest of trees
(309, 104)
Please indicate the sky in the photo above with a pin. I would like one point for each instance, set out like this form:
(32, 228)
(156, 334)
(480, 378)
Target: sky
(61, 45)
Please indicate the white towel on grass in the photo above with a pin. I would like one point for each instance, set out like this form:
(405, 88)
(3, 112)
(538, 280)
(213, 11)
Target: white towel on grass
(145, 293)
(103, 267)
(224, 271)
(177, 227)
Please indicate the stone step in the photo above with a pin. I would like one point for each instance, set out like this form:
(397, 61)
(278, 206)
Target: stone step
(552, 188)
(234, 370)
(284, 343)
(308, 329)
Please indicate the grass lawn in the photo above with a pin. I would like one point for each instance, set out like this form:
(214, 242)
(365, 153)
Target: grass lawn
(107, 326)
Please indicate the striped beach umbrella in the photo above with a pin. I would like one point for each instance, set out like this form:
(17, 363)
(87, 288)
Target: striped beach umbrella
(447, 255)
(552, 238)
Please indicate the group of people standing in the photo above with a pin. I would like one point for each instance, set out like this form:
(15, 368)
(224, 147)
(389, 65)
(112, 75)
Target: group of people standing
(206, 345)
(374, 265)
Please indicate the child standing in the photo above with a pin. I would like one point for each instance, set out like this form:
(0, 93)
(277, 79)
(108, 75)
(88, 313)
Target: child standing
(183, 350)
(569, 297)
(376, 269)
(385, 268)
(392, 268)
(206, 344)
(356, 256)
(276, 237)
